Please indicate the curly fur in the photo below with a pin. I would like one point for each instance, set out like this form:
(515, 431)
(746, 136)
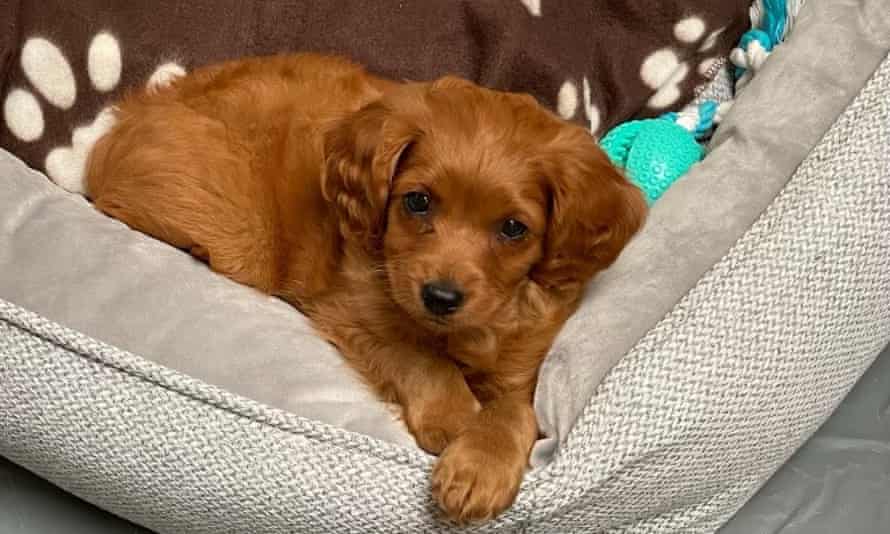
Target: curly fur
(289, 174)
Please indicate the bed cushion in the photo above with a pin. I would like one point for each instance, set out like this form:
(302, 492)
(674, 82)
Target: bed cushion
(765, 137)
(61, 258)
(681, 431)
(749, 357)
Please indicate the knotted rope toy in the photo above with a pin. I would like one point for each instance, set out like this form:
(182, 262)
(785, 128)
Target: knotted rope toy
(771, 20)
(655, 153)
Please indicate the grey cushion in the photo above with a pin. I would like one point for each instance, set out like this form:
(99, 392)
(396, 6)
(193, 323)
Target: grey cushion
(775, 123)
(736, 327)
(65, 260)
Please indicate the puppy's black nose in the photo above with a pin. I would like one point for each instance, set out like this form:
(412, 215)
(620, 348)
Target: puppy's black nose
(441, 298)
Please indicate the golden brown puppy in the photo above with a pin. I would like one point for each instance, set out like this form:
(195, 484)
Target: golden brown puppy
(439, 234)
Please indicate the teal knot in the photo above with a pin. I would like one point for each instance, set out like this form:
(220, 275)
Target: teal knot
(757, 35)
(707, 114)
(654, 153)
(773, 21)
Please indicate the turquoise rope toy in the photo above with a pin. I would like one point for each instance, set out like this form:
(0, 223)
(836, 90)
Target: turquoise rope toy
(655, 153)
(756, 44)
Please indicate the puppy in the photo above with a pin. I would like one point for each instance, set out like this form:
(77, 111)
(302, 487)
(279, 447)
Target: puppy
(438, 234)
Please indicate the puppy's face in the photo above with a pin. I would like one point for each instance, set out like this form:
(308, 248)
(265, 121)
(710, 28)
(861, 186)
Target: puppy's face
(465, 226)
(470, 196)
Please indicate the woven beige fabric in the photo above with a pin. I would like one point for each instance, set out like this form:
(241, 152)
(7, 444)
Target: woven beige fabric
(704, 408)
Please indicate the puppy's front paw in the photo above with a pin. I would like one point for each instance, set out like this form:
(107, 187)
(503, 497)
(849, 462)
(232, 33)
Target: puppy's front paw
(473, 481)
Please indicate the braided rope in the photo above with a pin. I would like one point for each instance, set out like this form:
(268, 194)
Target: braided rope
(771, 20)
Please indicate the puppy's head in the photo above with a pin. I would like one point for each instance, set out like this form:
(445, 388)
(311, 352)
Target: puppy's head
(469, 197)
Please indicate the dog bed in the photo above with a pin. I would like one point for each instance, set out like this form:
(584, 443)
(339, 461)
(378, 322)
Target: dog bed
(727, 331)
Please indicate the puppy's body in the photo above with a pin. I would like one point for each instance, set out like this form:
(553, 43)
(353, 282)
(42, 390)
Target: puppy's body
(229, 161)
(438, 234)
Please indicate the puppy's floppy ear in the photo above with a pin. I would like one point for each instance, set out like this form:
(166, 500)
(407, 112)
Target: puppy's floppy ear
(594, 211)
(362, 152)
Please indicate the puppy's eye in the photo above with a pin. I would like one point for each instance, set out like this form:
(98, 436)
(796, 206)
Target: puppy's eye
(416, 202)
(513, 229)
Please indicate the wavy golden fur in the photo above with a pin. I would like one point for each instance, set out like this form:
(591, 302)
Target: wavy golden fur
(439, 234)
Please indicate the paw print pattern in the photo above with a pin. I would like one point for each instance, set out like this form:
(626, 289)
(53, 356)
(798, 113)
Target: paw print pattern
(567, 102)
(666, 74)
(664, 71)
(52, 80)
(533, 6)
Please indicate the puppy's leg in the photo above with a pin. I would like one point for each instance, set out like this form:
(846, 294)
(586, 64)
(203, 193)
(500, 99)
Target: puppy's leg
(478, 475)
(436, 400)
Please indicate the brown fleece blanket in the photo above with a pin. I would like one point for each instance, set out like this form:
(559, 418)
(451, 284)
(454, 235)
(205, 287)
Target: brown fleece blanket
(596, 62)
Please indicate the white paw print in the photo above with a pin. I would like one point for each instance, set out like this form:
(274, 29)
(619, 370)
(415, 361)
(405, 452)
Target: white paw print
(52, 78)
(567, 104)
(533, 6)
(663, 72)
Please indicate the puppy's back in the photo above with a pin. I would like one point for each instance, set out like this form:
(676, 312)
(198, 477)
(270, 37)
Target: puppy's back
(215, 160)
